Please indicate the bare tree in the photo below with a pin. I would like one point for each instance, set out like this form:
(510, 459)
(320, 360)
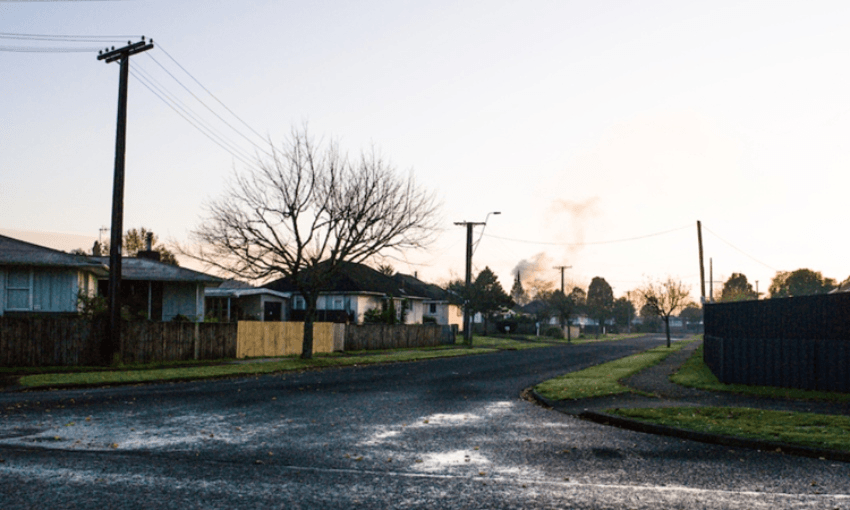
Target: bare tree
(308, 210)
(664, 299)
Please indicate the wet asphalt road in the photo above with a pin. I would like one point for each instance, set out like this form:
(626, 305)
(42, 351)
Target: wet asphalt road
(451, 433)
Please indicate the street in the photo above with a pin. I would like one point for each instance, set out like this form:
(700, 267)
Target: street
(447, 433)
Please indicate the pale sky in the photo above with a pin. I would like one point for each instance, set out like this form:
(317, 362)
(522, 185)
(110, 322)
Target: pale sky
(582, 122)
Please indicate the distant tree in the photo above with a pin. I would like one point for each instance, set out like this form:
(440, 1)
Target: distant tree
(488, 295)
(518, 293)
(691, 313)
(386, 269)
(134, 242)
(664, 299)
(623, 312)
(650, 322)
(737, 288)
(802, 282)
(579, 297)
(563, 306)
(600, 301)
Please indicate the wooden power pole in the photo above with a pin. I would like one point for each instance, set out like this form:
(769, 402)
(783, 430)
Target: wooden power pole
(562, 268)
(701, 263)
(112, 343)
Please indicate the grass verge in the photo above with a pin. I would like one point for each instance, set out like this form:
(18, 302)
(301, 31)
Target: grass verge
(807, 429)
(234, 369)
(601, 380)
(695, 374)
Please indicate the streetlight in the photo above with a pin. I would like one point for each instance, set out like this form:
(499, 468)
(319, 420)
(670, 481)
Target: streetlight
(467, 333)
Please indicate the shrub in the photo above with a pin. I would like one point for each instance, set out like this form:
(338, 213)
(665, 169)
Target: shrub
(554, 332)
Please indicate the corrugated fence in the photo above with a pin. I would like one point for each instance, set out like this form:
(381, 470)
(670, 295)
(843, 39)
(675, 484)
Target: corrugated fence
(800, 342)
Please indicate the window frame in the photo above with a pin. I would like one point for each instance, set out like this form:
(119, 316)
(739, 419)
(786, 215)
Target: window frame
(8, 288)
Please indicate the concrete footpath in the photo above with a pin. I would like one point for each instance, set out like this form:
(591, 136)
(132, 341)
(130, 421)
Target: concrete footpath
(656, 381)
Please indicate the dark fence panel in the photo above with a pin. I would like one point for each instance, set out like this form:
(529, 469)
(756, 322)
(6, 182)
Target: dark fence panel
(49, 341)
(73, 341)
(801, 342)
(385, 336)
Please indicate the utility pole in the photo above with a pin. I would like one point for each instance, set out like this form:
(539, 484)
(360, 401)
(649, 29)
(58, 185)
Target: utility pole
(701, 263)
(562, 275)
(113, 342)
(757, 289)
(467, 317)
(467, 322)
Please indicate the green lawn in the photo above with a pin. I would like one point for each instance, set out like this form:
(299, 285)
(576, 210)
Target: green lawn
(695, 374)
(602, 380)
(248, 367)
(808, 429)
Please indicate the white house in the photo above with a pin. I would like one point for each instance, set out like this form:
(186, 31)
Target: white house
(36, 279)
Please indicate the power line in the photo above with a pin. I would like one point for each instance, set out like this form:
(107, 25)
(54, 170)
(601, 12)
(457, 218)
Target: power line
(549, 243)
(210, 109)
(220, 144)
(738, 249)
(68, 38)
(45, 49)
(188, 111)
(210, 93)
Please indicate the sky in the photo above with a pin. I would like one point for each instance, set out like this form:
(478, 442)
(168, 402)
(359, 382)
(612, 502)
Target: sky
(601, 131)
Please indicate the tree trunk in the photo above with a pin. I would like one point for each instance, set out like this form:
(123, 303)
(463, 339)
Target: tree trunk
(667, 328)
(309, 318)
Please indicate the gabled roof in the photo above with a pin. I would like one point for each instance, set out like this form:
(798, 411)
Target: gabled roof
(536, 307)
(427, 290)
(133, 268)
(236, 289)
(354, 279)
(14, 252)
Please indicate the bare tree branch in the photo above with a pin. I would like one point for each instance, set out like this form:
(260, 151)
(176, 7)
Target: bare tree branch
(305, 211)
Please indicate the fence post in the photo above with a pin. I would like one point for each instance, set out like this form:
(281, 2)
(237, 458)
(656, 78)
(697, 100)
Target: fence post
(197, 340)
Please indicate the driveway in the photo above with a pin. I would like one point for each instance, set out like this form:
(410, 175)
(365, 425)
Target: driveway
(448, 433)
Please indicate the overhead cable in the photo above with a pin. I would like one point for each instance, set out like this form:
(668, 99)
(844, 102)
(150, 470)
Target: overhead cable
(549, 243)
(738, 249)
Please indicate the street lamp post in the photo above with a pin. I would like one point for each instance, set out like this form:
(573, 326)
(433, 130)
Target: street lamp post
(467, 318)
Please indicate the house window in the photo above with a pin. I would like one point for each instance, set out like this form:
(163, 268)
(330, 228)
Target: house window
(337, 304)
(298, 303)
(19, 290)
(432, 308)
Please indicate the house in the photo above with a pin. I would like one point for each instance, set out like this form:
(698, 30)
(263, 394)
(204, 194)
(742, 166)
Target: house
(353, 291)
(438, 308)
(36, 279)
(238, 301)
(157, 291)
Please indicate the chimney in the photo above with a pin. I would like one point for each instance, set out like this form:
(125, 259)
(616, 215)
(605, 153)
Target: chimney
(148, 252)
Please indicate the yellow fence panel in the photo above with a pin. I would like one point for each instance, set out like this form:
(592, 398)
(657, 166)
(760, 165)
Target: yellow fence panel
(270, 339)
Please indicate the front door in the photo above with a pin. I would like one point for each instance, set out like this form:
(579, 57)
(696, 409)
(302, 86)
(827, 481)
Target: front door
(272, 312)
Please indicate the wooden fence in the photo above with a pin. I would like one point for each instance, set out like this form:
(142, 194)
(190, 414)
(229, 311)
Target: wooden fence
(384, 336)
(72, 341)
(146, 342)
(260, 339)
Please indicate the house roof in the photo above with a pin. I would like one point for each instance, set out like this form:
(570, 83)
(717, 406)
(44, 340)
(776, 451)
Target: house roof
(237, 289)
(427, 290)
(355, 279)
(133, 268)
(536, 307)
(14, 252)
